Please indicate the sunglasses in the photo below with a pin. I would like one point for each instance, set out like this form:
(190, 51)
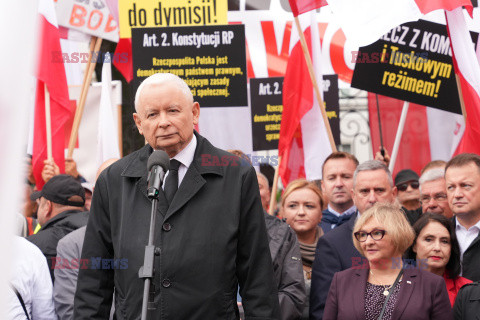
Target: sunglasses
(404, 186)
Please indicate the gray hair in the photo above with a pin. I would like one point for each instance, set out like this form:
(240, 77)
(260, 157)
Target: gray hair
(432, 175)
(372, 165)
(159, 78)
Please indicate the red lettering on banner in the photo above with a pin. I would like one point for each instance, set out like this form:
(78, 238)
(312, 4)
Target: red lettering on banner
(322, 27)
(77, 16)
(111, 26)
(276, 62)
(100, 19)
(337, 57)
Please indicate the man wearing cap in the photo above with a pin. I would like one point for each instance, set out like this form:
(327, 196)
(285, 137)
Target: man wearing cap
(408, 194)
(60, 211)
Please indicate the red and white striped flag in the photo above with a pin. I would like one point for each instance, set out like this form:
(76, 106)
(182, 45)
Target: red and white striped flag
(50, 73)
(467, 69)
(303, 143)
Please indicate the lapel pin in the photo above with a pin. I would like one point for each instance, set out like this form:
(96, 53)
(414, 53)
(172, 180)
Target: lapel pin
(409, 282)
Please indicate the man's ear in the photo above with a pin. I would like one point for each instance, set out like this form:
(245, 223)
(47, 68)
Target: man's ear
(394, 191)
(196, 112)
(48, 208)
(138, 122)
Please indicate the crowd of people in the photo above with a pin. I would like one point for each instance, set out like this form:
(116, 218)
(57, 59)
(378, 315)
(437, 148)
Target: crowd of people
(357, 244)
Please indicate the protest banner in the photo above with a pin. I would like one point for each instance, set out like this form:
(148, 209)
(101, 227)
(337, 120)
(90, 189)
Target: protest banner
(169, 13)
(90, 17)
(211, 60)
(413, 62)
(267, 106)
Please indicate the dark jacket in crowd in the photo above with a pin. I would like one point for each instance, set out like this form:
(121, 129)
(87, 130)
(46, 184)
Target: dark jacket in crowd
(287, 267)
(211, 240)
(55, 229)
(467, 304)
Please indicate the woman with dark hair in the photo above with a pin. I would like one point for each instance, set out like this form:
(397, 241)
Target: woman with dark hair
(436, 249)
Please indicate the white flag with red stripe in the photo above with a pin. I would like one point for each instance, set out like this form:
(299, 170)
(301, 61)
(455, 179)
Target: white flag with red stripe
(303, 143)
(467, 69)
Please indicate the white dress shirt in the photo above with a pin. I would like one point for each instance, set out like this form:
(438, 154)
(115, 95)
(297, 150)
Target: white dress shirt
(465, 237)
(185, 157)
(31, 278)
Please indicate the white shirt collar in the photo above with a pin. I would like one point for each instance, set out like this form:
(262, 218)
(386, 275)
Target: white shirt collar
(185, 156)
(350, 210)
(460, 227)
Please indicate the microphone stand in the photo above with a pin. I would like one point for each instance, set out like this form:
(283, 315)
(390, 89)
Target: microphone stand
(147, 271)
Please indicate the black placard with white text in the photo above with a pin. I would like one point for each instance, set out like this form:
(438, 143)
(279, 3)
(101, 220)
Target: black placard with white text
(412, 62)
(267, 107)
(211, 60)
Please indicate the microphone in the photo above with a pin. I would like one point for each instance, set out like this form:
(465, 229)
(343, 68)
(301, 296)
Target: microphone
(158, 163)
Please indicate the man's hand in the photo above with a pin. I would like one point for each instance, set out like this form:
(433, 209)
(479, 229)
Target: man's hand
(50, 169)
(71, 167)
(386, 159)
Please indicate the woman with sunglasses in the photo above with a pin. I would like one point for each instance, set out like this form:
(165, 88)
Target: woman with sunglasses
(436, 249)
(383, 287)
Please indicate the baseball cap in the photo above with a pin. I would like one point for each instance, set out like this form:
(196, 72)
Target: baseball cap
(60, 189)
(405, 175)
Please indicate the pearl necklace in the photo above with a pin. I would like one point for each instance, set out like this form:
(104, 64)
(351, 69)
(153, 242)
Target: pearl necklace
(385, 287)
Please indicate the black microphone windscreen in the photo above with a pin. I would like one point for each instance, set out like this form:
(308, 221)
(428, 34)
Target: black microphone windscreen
(158, 158)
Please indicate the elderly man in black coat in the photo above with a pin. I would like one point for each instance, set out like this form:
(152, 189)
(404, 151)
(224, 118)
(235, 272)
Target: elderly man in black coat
(210, 237)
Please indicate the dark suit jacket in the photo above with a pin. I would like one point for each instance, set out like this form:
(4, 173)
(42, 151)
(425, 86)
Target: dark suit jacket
(335, 252)
(467, 304)
(471, 259)
(211, 240)
(422, 296)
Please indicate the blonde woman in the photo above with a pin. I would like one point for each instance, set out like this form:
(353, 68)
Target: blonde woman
(302, 203)
(383, 287)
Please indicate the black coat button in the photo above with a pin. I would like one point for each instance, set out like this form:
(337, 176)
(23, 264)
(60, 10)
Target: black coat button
(167, 226)
(157, 251)
(166, 283)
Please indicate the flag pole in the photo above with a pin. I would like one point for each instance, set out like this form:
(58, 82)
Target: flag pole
(308, 60)
(48, 122)
(273, 194)
(382, 146)
(398, 137)
(95, 44)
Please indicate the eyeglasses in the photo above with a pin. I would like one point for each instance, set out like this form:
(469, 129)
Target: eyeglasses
(376, 235)
(404, 186)
(439, 197)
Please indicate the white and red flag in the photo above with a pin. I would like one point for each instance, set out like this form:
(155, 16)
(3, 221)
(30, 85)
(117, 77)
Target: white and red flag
(304, 142)
(50, 73)
(467, 69)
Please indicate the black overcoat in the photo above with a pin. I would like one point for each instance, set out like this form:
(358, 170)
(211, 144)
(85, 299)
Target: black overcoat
(211, 239)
